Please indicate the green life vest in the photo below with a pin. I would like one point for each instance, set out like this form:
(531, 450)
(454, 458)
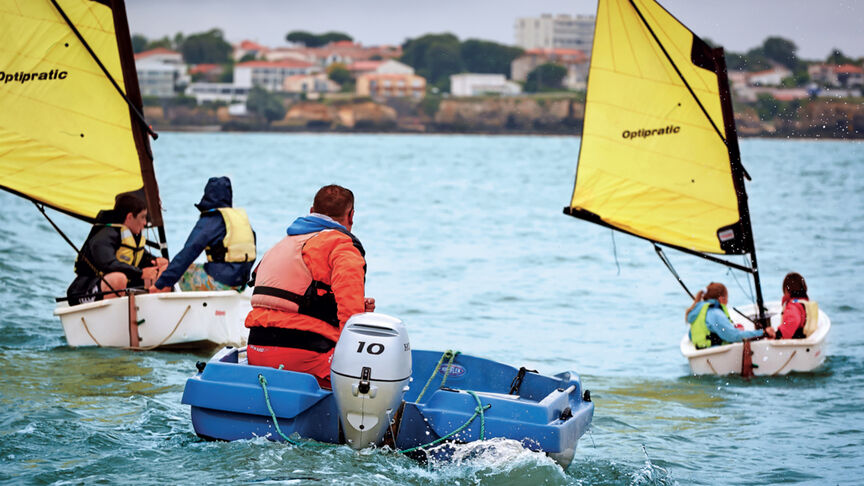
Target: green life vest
(700, 336)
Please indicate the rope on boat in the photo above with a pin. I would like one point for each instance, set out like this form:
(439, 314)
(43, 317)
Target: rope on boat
(176, 326)
(447, 354)
(263, 382)
(478, 410)
(87, 328)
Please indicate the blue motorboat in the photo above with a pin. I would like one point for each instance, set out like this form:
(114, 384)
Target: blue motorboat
(443, 398)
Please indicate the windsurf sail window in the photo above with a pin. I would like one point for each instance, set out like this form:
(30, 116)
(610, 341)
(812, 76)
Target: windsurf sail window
(71, 134)
(657, 158)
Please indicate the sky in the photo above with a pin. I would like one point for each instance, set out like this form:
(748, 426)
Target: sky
(815, 26)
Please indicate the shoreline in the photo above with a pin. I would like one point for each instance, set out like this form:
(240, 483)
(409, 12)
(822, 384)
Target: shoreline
(514, 133)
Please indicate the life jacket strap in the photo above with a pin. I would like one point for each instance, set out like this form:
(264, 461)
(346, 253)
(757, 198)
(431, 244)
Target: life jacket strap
(280, 293)
(318, 301)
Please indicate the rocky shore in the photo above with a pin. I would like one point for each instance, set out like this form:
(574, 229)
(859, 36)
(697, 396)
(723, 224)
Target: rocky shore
(534, 115)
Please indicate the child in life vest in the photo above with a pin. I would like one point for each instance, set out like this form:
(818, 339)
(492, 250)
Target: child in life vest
(795, 305)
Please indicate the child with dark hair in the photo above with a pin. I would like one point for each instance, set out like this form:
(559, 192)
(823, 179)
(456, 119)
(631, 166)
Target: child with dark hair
(114, 256)
(794, 307)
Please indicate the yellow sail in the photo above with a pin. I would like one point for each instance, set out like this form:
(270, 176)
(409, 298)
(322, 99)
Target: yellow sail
(654, 160)
(66, 134)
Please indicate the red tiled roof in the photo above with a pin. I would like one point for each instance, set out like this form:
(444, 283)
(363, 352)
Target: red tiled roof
(364, 65)
(203, 68)
(848, 69)
(286, 63)
(153, 52)
(574, 54)
(248, 45)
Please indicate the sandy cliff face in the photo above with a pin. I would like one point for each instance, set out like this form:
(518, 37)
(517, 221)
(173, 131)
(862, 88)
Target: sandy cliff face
(363, 115)
(500, 114)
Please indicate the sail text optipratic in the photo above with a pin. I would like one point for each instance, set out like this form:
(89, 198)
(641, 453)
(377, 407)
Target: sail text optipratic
(24, 77)
(648, 132)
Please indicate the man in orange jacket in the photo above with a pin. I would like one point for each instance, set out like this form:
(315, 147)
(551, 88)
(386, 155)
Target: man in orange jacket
(306, 288)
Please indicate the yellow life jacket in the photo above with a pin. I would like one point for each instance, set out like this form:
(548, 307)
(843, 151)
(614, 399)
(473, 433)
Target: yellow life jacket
(700, 336)
(811, 311)
(131, 247)
(239, 242)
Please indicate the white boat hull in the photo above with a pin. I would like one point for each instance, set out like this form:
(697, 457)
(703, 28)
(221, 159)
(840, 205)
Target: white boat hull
(176, 319)
(770, 357)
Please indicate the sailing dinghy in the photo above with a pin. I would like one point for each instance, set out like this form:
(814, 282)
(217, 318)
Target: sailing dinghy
(659, 160)
(72, 137)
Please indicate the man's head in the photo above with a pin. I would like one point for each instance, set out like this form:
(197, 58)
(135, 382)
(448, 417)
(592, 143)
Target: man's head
(336, 202)
(716, 291)
(133, 212)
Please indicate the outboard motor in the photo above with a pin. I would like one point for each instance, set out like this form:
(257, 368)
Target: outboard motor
(369, 373)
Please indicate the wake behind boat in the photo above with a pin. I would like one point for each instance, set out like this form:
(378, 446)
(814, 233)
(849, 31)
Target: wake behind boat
(659, 157)
(72, 138)
(415, 401)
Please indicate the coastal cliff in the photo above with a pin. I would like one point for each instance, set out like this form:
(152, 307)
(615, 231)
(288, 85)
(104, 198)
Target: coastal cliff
(540, 115)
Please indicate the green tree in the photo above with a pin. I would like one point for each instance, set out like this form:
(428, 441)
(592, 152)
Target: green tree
(301, 37)
(766, 106)
(329, 37)
(164, 43)
(338, 73)
(545, 77)
(435, 57)
(206, 47)
(479, 56)
(139, 43)
(756, 60)
(309, 39)
(836, 57)
(781, 50)
(265, 104)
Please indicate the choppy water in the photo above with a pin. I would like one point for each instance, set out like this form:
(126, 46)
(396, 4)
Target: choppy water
(467, 243)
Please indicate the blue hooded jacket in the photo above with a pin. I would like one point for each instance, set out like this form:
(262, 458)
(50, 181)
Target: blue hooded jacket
(208, 231)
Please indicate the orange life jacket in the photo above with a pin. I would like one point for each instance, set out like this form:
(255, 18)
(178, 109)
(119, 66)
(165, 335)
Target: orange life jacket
(294, 278)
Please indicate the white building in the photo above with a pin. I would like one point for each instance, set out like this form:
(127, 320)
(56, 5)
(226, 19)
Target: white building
(392, 66)
(161, 72)
(769, 77)
(555, 32)
(225, 92)
(473, 84)
(270, 75)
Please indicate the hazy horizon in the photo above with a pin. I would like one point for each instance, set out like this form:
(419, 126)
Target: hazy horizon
(737, 25)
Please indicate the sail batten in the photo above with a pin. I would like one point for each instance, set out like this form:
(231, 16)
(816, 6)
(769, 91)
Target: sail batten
(654, 159)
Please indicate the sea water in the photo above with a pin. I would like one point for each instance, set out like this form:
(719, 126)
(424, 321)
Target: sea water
(466, 242)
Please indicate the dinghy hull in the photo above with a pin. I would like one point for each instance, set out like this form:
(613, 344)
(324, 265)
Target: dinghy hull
(546, 414)
(770, 357)
(166, 320)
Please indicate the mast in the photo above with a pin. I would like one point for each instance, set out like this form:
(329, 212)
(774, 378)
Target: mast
(139, 126)
(738, 175)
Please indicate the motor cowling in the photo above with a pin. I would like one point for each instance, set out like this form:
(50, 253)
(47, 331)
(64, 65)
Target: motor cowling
(369, 373)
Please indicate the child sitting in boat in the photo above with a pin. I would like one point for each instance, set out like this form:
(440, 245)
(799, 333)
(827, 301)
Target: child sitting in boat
(800, 315)
(114, 256)
(709, 320)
